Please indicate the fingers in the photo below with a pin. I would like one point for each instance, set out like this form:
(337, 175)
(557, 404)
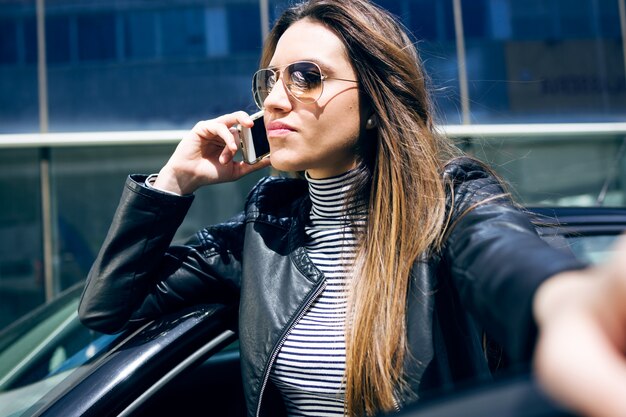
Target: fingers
(206, 153)
(211, 129)
(238, 117)
(245, 168)
(609, 286)
(580, 357)
(241, 168)
(617, 262)
(224, 128)
(577, 364)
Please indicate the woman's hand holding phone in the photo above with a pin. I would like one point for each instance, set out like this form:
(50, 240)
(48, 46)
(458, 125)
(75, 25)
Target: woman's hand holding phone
(205, 155)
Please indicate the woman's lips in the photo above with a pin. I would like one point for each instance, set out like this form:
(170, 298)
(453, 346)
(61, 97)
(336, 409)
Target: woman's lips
(279, 129)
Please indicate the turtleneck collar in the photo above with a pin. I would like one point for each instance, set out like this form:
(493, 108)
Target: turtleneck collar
(329, 196)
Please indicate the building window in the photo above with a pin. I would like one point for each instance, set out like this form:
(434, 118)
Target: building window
(244, 26)
(58, 39)
(216, 24)
(29, 34)
(8, 44)
(140, 39)
(96, 37)
(182, 32)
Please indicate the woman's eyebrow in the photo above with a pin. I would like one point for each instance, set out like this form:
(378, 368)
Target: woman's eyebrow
(324, 66)
(326, 69)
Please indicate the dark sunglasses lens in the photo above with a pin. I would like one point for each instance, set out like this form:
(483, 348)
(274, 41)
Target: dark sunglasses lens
(304, 81)
(262, 83)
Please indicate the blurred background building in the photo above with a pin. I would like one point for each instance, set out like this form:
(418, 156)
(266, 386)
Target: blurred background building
(535, 87)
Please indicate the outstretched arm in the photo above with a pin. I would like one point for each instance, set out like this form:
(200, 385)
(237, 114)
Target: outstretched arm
(580, 355)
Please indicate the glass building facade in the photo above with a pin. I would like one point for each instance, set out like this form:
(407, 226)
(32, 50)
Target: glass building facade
(139, 64)
(155, 65)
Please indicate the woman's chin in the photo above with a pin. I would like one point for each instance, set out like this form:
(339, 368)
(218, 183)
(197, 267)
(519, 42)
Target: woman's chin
(286, 164)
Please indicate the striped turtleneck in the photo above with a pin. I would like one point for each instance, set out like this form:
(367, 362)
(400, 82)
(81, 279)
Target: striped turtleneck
(310, 365)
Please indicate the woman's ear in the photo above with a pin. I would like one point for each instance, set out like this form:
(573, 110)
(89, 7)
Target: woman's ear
(367, 112)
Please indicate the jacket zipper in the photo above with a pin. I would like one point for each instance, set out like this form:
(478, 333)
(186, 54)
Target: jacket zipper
(303, 310)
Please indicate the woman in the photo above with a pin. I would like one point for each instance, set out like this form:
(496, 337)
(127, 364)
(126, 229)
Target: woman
(363, 287)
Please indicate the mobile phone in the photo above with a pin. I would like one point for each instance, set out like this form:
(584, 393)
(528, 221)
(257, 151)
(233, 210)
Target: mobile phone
(254, 144)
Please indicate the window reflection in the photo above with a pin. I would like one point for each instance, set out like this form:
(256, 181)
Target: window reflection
(184, 32)
(140, 34)
(96, 37)
(21, 278)
(8, 46)
(527, 60)
(58, 29)
(544, 60)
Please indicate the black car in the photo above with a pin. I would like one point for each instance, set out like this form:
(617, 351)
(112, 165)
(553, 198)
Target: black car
(188, 363)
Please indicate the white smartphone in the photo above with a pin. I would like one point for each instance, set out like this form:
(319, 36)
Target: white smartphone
(254, 144)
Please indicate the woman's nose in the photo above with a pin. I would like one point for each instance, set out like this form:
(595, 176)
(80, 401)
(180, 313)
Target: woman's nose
(279, 97)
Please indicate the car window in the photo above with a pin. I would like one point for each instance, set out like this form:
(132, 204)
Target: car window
(25, 350)
(593, 249)
(48, 347)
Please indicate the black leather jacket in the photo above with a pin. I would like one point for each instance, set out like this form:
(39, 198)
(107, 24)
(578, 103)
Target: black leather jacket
(483, 279)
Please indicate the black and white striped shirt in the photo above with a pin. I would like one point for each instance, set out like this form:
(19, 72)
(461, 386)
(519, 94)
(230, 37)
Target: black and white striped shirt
(309, 368)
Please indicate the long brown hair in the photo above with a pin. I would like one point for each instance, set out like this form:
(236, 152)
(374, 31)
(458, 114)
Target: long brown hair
(401, 162)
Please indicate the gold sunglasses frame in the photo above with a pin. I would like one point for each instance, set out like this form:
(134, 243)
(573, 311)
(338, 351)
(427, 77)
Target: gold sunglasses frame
(279, 70)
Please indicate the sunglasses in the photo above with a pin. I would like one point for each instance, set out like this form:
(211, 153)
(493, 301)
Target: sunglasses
(303, 80)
